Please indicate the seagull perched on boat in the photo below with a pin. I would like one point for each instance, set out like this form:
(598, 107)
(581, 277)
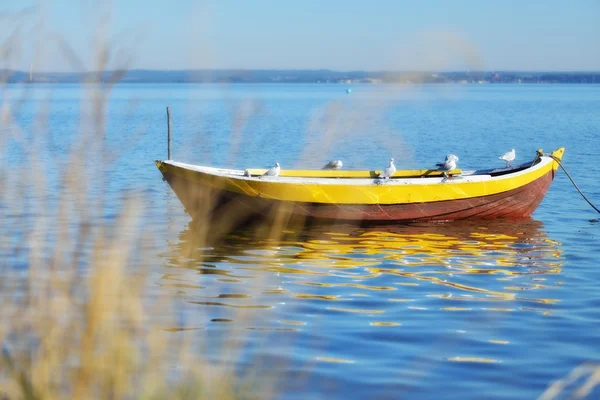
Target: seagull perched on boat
(335, 164)
(274, 171)
(389, 171)
(509, 156)
(448, 165)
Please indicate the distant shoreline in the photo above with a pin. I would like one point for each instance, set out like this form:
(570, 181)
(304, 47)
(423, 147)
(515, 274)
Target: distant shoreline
(304, 76)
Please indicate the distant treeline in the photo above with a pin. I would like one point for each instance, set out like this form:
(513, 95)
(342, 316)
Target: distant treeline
(299, 76)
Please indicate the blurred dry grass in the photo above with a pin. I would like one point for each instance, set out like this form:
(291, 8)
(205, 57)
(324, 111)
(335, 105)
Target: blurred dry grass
(578, 384)
(79, 318)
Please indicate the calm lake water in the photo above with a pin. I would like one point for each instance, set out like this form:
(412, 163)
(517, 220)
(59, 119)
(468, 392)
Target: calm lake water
(496, 309)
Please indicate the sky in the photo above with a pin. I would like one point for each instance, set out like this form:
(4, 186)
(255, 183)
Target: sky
(438, 35)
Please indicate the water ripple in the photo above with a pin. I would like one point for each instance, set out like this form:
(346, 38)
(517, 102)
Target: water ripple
(389, 286)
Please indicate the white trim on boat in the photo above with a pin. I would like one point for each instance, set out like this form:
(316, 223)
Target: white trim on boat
(467, 176)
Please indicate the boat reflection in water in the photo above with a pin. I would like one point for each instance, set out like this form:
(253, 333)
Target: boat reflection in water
(485, 265)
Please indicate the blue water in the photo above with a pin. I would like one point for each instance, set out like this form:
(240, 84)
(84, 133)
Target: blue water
(497, 309)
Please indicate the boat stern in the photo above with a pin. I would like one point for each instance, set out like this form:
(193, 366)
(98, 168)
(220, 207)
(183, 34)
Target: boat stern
(159, 165)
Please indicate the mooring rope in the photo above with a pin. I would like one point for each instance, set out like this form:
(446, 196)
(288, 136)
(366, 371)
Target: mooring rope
(573, 182)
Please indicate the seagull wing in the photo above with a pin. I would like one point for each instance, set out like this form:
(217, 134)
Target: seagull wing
(445, 165)
(508, 156)
(271, 172)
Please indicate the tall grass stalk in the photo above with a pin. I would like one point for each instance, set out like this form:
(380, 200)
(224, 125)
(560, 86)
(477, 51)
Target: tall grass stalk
(79, 318)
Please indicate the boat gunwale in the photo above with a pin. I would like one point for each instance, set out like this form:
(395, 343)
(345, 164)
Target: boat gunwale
(475, 176)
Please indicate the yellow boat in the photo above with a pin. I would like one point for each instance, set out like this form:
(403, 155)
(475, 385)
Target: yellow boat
(409, 195)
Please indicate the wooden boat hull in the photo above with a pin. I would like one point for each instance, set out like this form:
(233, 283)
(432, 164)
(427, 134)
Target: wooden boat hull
(517, 203)
(205, 199)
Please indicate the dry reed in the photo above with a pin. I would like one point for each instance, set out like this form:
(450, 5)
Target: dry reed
(79, 319)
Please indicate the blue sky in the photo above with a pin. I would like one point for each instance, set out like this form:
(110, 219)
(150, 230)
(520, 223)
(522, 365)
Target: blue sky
(333, 34)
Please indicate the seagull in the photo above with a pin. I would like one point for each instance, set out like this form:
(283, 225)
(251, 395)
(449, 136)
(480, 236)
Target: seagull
(273, 171)
(448, 165)
(509, 157)
(389, 171)
(335, 164)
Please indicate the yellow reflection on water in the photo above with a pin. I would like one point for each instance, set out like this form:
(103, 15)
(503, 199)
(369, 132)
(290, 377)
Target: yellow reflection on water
(288, 322)
(384, 323)
(335, 360)
(315, 296)
(431, 265)
(356, 310)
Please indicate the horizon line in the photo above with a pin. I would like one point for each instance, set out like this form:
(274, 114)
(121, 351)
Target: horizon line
(304, 70)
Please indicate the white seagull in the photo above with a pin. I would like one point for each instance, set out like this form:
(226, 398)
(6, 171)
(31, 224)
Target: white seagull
(389, 171)
(448, 165)
(274, 171)
(508, 157)
(335, 164)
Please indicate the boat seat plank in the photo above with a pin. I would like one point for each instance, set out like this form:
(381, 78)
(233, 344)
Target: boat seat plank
(305, 173)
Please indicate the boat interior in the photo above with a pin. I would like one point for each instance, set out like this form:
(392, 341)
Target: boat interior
(399, 174)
